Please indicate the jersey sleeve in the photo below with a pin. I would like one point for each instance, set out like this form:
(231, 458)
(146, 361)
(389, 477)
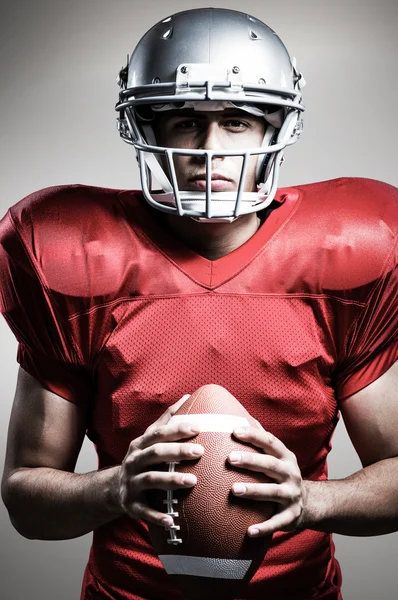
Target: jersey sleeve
(371, 346)
(45, 346)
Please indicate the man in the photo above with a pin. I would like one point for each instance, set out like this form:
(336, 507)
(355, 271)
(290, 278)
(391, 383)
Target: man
(124, 303)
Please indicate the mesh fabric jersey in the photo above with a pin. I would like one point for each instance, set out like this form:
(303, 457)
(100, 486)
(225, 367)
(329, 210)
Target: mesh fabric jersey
(111, 311)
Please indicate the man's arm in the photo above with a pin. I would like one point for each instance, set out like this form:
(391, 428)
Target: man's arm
(47, 500)
(365, 503)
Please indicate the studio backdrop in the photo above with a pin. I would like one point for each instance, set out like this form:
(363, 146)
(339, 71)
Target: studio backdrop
(58, 65)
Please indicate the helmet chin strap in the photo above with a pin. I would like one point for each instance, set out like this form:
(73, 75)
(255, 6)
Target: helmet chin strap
(156, 169)
(215, 220)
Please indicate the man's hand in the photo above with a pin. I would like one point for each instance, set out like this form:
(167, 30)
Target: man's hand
(281, 466)
(159, 444)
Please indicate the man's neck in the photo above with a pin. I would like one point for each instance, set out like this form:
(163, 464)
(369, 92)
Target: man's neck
(212, 240)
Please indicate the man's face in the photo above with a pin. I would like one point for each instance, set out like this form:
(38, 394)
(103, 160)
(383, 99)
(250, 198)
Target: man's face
(230, 129)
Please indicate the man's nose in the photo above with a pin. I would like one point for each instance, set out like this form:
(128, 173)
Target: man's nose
(211, 137)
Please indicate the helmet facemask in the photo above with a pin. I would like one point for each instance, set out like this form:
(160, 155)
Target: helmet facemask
(209, 86)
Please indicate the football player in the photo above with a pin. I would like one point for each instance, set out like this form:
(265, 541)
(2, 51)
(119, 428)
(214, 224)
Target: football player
(123, 302)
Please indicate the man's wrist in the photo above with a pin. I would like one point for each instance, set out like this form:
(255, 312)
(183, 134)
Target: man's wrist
(112, 483)
(314, 506)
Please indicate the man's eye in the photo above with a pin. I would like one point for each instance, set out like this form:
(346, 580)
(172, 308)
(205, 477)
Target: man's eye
(235, 124)
(186, 124)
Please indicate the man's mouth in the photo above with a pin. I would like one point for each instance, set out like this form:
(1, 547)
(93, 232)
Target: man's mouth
(219, 183)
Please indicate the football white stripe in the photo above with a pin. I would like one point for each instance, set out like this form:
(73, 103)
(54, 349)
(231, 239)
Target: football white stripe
(212, 422)
(199, 566)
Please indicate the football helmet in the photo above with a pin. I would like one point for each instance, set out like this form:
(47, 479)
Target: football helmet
(209, 59)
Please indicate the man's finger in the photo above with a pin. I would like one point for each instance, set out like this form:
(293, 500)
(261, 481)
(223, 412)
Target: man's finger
(276, 469)
(138, 510)
(264, 440)
(170, 411)
(161, 480)
(156, 454)
(264, 492)
(277, 522)
(165, 433)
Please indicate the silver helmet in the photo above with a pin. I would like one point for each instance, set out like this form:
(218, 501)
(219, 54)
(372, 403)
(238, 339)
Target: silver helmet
(192, 59)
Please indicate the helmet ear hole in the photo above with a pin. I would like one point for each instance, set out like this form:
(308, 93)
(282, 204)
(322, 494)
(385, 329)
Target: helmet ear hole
(144, 112)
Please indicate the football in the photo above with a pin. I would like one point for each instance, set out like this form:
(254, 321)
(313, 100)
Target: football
(207, 551)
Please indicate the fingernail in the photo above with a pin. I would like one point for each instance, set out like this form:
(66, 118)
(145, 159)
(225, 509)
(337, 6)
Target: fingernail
(235, 457)
(239, 488)
(194, 429)
(253, 532)
(197, 450)
(240, 431)
(189, 480)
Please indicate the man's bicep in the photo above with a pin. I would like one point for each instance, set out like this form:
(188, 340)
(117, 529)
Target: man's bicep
(45, 430)
(371, 418)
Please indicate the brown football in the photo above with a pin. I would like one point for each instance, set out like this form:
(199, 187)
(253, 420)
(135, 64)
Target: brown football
(208, 551)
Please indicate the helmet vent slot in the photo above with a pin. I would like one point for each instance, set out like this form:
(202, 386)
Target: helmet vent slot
(168, 34)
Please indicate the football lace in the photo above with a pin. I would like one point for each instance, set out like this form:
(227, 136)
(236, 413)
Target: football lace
(170, 503)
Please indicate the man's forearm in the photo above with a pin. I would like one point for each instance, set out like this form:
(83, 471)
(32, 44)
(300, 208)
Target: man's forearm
(50, 504)
(363, 504)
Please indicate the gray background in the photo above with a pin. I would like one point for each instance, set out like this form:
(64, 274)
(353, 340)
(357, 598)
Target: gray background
(58, 64)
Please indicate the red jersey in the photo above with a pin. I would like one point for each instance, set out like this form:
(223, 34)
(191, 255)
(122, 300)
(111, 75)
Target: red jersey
(112, 311)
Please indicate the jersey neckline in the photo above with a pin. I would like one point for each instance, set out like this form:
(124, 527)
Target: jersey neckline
(206, 272)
